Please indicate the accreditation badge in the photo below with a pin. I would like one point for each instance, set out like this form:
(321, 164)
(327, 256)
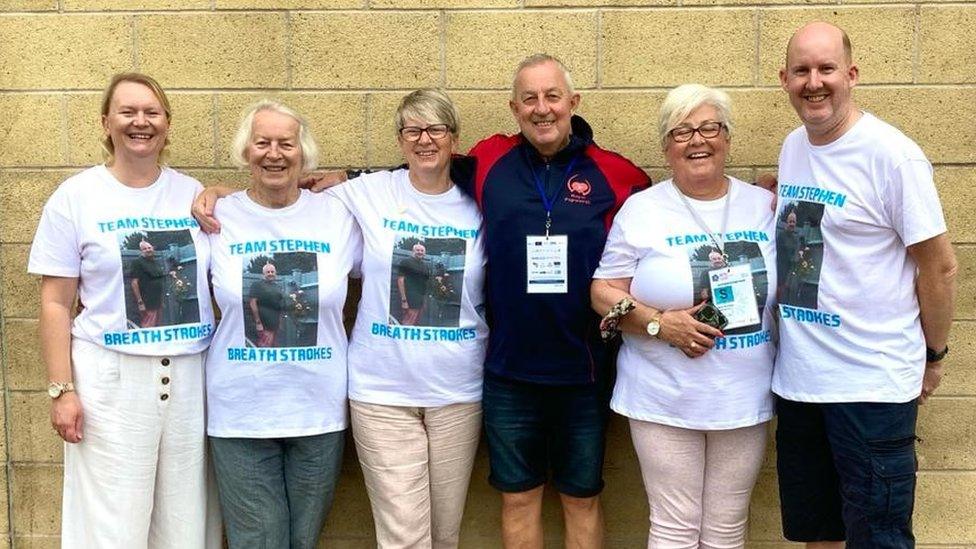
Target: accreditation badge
(546, 269)
(734, 295)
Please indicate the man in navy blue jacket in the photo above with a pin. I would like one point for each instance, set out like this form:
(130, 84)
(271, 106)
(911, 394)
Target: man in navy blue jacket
(548, 196)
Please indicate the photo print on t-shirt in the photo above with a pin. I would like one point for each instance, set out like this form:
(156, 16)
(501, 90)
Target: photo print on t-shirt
(426, 281)
(799, 253)
(281, 299)
(159, 274)
(707, 257)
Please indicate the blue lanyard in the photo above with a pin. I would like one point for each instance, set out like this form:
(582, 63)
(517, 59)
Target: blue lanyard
(547, 201)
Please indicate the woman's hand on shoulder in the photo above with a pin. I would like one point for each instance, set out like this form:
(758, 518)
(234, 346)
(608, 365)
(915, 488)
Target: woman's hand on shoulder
(67, 416)
(320, 181)
(204, 204)
(693, 338)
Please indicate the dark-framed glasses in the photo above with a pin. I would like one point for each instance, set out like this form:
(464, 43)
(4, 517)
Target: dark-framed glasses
(434, 131)
(708, 130)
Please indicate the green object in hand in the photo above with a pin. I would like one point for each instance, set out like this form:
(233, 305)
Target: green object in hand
(709, 314)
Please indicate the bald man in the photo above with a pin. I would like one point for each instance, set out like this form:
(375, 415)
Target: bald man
(865, 345)
(147, 279)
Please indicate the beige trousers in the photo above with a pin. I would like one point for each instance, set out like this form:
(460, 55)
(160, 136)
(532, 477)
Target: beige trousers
(698, 483)
(416, 463)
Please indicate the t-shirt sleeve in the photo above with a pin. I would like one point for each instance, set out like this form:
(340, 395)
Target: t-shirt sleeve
(55, 251)
(620, 257)
(912, 203)
(344, 192)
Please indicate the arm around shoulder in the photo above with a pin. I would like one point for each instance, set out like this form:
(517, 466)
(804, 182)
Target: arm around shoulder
(204, 204)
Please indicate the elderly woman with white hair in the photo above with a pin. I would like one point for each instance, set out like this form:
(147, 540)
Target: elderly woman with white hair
(419, 343)
(686, 276)
(276, 370)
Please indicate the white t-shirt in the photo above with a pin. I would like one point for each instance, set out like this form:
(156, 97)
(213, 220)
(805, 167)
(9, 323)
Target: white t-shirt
(420, 334)
(123, 244)
(849, 316)
(277, 364)
(655, 241)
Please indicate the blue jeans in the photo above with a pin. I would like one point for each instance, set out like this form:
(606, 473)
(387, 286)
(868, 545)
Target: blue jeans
(275, 493)
(847, 472)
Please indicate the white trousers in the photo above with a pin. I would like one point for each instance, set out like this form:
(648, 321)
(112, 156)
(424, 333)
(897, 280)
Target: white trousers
(417, 464)
(698, 483)
(139, 477)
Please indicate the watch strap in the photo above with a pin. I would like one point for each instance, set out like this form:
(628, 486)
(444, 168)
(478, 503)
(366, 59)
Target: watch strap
(935, 356)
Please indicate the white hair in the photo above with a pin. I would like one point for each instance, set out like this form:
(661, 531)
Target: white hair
(538, 59)
(687, 97)
(306, 142)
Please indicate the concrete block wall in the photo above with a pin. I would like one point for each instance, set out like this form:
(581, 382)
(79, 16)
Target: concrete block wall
(345, 63)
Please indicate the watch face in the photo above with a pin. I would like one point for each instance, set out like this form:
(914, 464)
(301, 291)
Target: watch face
(54, 391)
(653, 327)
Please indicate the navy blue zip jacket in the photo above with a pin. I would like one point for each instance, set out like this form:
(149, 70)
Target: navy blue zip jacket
(550, 339)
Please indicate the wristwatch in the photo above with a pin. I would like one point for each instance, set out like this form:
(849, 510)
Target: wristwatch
(654, 326)
(935, 356)
(55, 389)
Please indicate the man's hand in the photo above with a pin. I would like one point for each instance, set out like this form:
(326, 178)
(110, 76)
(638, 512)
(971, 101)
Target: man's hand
(203, 207)
(769, 182)
(320, 181)
(67, 416)
(931, 380)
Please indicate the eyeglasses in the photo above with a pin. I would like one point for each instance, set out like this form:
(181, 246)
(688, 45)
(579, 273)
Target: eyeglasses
(434, 131)
(708, 130)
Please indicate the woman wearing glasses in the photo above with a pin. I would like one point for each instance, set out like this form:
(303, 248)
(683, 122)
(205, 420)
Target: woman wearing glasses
(417, 349)
(696, 389)
(416, 354)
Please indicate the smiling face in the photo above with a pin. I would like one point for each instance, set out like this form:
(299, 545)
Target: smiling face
(427, 155)
(819, 77)
(269, 272)
(136, 122)
(543, 106)
(698, 160)
(715, 258)
(274, 156)
(419, 251)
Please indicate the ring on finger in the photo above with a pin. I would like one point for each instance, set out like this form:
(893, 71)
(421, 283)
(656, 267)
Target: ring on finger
(693, 346)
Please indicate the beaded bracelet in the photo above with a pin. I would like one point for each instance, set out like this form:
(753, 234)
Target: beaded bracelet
(609, 323)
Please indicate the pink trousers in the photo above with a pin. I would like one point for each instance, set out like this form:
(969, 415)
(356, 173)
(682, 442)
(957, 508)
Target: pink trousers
(698, 483)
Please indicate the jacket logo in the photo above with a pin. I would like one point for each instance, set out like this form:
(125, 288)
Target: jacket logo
(579, 190)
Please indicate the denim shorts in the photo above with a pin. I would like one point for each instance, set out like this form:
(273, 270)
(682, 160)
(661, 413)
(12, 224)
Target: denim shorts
(847, 472)
(533, 428)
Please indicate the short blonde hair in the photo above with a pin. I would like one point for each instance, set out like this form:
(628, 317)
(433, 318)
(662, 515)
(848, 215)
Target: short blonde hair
(687, 97)
(108, 148)
(430, 105)
(306, 142)
(538, 59)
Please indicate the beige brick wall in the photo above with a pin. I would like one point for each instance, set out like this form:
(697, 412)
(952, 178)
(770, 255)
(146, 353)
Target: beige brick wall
(346, 62)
